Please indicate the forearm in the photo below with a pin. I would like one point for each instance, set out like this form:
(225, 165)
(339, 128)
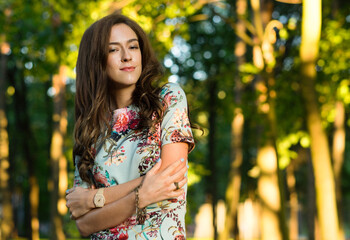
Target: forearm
(117, 192)
(114, 193)
(157, 186)
(102, 218)
(80, 200)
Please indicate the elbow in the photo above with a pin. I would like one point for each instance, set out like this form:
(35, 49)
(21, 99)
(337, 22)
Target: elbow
(82, 228)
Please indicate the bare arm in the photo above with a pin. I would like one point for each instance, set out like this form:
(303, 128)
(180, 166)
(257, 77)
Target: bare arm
(102, 218)
(173, 152)
(80, 200)
(158, 185)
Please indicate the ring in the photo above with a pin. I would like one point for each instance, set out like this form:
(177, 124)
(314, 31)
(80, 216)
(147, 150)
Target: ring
(176, 185)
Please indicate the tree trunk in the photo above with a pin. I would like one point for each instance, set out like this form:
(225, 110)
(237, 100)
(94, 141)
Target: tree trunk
(6, 224)
(212, 157)
(310, 195)
(320, 154)
(28, 148)
(58, 183)
(273, 223)
(338, 159)
(268, 191)
(234, 182)
(339, 138)
(294, 205)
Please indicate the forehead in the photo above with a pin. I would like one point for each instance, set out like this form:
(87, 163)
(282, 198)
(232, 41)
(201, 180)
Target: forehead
(121, 33)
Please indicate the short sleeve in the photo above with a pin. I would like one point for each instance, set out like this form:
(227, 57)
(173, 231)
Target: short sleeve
(78, 182)
(175, 126)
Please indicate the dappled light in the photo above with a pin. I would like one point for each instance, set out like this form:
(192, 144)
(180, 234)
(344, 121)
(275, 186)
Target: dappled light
(268, 91)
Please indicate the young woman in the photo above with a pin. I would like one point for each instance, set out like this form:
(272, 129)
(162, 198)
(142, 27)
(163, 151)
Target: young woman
(131, 139)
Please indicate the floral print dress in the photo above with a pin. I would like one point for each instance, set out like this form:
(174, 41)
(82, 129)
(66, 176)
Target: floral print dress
(128, 154)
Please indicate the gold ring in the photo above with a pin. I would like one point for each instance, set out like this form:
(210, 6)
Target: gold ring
(176, 185)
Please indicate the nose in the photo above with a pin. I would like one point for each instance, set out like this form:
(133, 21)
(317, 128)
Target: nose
(126, 56)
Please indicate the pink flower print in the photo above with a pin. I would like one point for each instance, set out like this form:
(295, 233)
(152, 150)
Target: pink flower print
(114, 230)
(122, 149)
(99, 177)
(152, 233)
(119, 231)
(176, 136)
(77, 182)
(179, 237)
(177, 119)
(117, 157)
(123, 236)
(126, 225)
(134, 123)
(167, 99)
(172, 200)
(132, 114)
(122, 120)
(131, 221)
(182, 197)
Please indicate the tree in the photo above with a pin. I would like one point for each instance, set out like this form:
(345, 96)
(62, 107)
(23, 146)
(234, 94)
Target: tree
(320, 154)
(6, 225)
(234, 182)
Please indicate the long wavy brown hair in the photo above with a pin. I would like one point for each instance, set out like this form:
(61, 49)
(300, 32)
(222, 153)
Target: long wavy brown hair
(93, 99)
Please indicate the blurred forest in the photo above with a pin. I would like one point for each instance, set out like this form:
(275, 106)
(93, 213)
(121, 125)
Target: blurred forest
(268, 81)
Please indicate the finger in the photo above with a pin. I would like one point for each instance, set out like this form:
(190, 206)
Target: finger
(178, 185)
(171, 167)
(179, 175)
(68, 191)
(182, 182)
(156, 167)
(177, 193)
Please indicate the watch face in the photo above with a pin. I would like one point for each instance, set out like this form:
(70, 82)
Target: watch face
(99, 200)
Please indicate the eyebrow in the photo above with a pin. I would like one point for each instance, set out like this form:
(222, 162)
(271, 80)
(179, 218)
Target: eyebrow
(129, 41)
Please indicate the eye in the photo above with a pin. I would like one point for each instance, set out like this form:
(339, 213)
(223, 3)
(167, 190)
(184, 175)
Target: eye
(113, 50)
(134, 47)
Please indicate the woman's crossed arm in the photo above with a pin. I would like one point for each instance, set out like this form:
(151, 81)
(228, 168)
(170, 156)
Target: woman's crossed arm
(158, 185)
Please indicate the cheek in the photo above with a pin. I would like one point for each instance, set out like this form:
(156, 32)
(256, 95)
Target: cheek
(139, 58)
(112, 62)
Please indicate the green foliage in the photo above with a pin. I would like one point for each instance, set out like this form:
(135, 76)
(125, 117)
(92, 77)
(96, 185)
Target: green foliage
(196, 47)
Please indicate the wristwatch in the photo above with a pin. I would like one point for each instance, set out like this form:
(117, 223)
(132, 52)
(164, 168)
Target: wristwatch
(99, 199)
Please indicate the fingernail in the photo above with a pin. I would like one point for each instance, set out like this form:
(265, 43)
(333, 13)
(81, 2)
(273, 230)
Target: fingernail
(158, 160)
(182, 159)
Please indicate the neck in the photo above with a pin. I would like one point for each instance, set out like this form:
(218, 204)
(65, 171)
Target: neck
(123, 96)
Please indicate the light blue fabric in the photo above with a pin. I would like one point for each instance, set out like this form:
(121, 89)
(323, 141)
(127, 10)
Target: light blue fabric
(130, 153)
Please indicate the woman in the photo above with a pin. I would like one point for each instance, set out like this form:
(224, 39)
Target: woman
(124, 126)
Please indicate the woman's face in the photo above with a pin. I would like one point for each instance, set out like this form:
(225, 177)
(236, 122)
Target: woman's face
(124, 63)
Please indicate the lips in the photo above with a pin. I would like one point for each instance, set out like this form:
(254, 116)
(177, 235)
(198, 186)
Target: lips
(128, 69)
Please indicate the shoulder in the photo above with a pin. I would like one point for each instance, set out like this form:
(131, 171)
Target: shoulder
(171, 88)
(172, 94)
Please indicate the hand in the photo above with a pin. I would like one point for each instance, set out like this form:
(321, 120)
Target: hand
(80, 201)
(159, 185)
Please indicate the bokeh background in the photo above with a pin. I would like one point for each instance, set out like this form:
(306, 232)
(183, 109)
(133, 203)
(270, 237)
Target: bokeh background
(268, 81)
